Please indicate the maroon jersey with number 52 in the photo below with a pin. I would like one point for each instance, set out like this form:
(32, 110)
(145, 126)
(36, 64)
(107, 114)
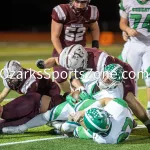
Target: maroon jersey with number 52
(74, 25)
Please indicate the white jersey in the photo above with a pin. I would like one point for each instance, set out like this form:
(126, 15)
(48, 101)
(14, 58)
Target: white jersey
(138, 15)
(90, 79)
(122, 123)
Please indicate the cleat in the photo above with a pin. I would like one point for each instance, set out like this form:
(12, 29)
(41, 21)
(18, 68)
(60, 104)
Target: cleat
(134, 124)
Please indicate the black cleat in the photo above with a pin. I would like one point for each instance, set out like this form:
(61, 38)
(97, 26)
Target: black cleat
(148, 127)
(134, 124)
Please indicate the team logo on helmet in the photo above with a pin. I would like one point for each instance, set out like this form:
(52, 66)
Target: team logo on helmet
(97, 120)
(74, 57)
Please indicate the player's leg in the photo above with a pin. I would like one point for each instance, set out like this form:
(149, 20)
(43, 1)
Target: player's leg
(22, 106)
(123, 55)
(59, 112)
(146, 69)
(138, 109)
(82, 133)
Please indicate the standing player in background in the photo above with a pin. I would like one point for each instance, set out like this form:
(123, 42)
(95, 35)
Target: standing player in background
(135, 21)
(69, 25)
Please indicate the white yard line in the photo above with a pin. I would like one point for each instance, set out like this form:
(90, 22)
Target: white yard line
(140, 127)
(30, 141)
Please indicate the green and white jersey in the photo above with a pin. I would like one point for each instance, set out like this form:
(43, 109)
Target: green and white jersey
(138, 15)
(122, 123)
(90, 79)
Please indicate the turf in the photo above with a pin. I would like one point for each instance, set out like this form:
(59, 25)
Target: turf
(27, 54)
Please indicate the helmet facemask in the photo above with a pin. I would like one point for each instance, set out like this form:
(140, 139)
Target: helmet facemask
(111, 77)
(13, 73)
(78, 10)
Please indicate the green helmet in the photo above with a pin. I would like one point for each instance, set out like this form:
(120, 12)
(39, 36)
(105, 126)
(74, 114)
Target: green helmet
(97, 120)
(111, 76)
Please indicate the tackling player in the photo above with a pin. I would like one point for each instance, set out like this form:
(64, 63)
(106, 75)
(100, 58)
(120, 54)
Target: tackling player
(22, 80)
(80, 58)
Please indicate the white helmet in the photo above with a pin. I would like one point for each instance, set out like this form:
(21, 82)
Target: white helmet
(113, 74)
(74, 57)
(11, 72)
(11, 69)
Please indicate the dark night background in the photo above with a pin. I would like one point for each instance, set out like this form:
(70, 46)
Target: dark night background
(35, 15)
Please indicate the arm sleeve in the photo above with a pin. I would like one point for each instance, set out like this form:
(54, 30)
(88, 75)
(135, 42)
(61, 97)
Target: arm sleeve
(123, 8)
(58, 14)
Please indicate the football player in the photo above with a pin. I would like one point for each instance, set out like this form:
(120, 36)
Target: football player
(69, 25)
(107, 121)
(62, 111)
(22, 80)
(76, 57)
(110, 125)
(134, 21)
(26, 107)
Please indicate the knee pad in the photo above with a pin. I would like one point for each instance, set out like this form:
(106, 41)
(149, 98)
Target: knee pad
(69, 126)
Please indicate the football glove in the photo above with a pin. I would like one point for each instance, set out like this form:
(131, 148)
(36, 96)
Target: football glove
(70, 100)
(84, 95)
(40, 64)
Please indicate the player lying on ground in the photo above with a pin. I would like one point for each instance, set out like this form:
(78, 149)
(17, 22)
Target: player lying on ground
(27, 106)
(22, 80)
(111, 125)
(80, 58)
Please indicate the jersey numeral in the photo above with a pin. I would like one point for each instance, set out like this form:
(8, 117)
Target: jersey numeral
(74, 33)
(137, 18)
(128, 123)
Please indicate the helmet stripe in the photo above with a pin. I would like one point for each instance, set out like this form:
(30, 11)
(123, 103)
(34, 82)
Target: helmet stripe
(60, 13)
(100, 129)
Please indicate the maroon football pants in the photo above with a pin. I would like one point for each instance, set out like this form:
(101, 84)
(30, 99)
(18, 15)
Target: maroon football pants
(24, 108)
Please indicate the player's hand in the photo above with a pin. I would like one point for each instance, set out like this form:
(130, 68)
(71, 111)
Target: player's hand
(125, 36)
(70, 100)
(131, 32)
(40, 64)
(84, 95)
(98, 139)
(78, 116)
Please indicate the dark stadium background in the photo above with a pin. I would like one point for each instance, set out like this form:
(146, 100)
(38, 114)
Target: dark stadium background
(35, 15)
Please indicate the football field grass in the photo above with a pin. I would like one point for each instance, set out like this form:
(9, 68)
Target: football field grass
(40, 138)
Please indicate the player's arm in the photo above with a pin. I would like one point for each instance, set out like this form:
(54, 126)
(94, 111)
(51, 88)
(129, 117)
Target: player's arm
(56, 29)
(95, 32)
(97, 104)
(4, 93)
(48, 63)
(125, 27)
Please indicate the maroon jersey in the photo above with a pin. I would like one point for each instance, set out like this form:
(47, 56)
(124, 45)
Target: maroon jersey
(98, 59)
(74, 26)
(35, 82)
